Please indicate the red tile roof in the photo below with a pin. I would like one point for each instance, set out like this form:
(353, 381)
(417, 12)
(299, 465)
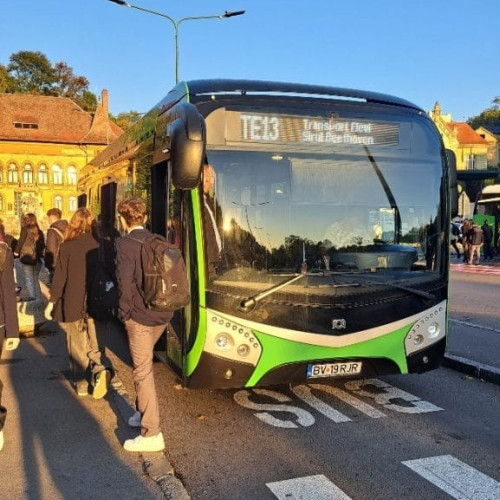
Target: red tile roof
(57, 119)
(465, 133)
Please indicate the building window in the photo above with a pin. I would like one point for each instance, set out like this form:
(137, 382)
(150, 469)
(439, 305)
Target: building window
(13, 174)
(27, 174)
(73, 204)
(470, 162)
(25, 125)
(71, 176)
(43, 176)
(56, 175)
(1, 203)
(1, 173)
(58, 202)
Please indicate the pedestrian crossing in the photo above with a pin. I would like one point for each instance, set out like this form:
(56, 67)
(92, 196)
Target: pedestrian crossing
(462, 267)
(456, 478)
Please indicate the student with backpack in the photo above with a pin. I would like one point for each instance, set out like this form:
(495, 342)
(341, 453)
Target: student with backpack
(55, 236)
(30, 249)
(76, 271)
(144, 325)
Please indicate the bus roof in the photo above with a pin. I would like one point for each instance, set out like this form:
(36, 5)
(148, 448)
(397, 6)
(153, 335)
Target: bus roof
(207, 87)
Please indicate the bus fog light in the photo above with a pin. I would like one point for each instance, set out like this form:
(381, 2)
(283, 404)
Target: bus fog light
(224, 341)
(433, 331)
(418, 339)
(243, 350)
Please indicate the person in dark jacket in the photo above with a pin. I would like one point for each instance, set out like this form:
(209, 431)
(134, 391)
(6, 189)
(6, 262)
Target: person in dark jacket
(75, 269)
(9, 325)
(144, 327)
(31, 235)
(487, 239)
(55, 236)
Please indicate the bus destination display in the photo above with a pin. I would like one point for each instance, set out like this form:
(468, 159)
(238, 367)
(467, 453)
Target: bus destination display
(275, 128)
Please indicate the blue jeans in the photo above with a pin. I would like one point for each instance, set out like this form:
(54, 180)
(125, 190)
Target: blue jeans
(31, 281)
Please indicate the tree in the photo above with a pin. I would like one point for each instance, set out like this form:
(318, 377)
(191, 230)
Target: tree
(126, 120)
(32, 73)
(6, 81)
(490, 116)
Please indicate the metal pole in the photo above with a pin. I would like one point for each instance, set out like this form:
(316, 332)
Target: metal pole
(176, 25)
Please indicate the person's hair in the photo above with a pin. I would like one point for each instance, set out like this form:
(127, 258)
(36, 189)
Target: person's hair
(2, 230)
(81, 222)
(55, 212)
(31, 224)
(133, 210)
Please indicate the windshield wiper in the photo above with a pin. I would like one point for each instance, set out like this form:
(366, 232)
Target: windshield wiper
(414, 291)
(247, 305)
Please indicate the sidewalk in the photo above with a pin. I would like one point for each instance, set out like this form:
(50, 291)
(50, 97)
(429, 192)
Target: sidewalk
(59, 445)
(473, 349)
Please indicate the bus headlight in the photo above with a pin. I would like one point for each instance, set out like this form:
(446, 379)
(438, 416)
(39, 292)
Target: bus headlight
(427, 330)
(227, 338)
(243, 350)
(224, 341)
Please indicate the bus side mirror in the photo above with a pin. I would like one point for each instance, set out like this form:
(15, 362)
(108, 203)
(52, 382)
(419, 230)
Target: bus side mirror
(452, 175)
(186, 131)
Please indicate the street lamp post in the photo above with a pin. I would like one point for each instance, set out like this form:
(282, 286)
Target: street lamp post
(176, 24)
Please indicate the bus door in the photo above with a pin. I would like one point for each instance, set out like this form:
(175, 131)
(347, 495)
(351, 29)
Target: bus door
(166, 220)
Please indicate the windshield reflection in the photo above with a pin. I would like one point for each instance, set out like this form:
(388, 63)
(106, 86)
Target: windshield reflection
(267, 215)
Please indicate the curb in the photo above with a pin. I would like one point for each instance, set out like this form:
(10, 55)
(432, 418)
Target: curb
(472, 368)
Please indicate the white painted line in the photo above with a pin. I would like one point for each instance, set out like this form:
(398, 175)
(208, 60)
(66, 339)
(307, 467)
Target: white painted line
(307, 488)
(350, 400)
(459, 480)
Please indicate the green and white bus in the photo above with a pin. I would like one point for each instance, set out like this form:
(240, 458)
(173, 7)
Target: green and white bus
(314, 222)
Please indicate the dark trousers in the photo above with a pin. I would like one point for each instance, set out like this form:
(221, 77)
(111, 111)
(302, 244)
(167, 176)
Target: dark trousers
(487, 251)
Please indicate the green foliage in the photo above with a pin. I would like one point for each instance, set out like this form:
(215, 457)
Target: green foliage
(6, 81)
(126, 120)
(32, 73)
(490, 116)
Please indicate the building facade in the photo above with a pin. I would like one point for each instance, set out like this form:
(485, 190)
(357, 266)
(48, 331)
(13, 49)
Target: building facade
(491, 134)
(471, 153)
(44, 143)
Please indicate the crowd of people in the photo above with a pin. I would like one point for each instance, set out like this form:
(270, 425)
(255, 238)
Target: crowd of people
(473, 239)
(70, 252)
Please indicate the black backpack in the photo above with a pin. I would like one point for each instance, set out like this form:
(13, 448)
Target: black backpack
(102, 297)
(165, 285)
(28, 255)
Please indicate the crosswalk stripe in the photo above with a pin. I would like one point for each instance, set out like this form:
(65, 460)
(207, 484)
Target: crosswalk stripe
(307, 488)
(459, 480)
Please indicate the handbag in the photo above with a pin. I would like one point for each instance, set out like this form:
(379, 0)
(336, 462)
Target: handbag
(102, 296)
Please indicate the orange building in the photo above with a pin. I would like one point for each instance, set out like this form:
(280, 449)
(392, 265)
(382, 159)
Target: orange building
(44, 143)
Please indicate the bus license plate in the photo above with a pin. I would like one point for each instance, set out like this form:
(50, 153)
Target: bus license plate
(334, 369)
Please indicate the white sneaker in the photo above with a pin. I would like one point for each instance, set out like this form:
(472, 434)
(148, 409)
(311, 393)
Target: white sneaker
(141, 443)
(135, 420)
(1, 440)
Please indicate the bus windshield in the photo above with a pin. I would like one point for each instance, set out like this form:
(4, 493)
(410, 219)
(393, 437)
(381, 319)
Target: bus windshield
(330, 213)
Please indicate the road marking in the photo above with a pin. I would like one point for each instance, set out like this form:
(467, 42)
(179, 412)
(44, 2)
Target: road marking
(361, 406)
(307, 488)
(304, 418)
(459, 480)
(475, 269)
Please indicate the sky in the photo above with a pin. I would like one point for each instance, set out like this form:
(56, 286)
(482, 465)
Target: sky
(420, 50)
